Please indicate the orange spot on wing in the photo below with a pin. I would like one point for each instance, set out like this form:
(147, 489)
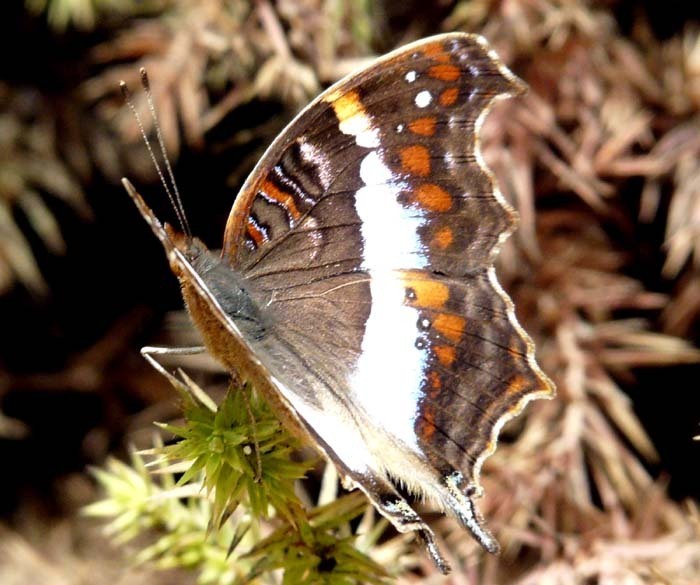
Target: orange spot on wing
(255, 233)
(416, 160)
(285, 199)
(449, 96)
(444, 72)
(433, 198)
(425, 293)
(449, 325)
(518, 384)
(435, 384)
(346, 105)
(443, 238)
(437, 52)
(426, 424)
(423, 126)
(446, 354)
(353, 118)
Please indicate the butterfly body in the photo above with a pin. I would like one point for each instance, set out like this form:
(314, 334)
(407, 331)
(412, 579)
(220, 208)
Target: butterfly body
(356, 286)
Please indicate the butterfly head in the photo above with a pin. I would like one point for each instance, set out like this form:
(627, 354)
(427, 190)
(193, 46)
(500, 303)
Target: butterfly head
(177, 245)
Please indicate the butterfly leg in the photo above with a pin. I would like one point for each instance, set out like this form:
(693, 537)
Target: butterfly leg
(184, 385)
(396, 509)
(161, 350)
(149, 351)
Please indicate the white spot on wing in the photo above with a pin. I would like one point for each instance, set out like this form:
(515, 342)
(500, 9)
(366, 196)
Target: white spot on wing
(411, 76)
(389, 230)
(389, 373)
(423, 98)
(374, 172)
(360, 126)
(311, 225)
(313, 155)
(369, 138)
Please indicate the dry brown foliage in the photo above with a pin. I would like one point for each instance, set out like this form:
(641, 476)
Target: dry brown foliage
(607, 140)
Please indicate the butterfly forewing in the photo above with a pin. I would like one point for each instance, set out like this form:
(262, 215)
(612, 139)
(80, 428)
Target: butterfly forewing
(418, 111)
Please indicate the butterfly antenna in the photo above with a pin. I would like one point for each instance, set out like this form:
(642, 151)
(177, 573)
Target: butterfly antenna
(175, 199)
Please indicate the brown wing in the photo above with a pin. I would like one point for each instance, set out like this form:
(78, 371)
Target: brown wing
(481, 370)
(367, 234)
(297, 209)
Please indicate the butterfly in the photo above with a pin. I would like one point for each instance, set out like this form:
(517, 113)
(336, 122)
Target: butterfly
(356, 286)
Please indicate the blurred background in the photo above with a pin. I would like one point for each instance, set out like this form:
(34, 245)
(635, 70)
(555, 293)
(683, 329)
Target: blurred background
(602, 159)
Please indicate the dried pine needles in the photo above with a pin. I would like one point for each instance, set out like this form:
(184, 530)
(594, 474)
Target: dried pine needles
(603, 151)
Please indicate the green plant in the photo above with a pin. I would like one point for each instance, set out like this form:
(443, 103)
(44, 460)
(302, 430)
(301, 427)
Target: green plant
(233, 514)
